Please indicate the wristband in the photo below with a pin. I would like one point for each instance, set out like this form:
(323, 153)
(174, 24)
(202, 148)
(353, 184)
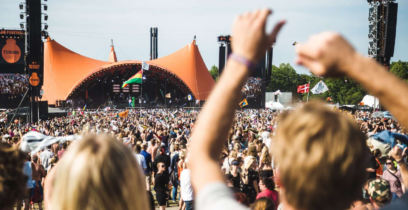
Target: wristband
(242, 60)
(400, 161)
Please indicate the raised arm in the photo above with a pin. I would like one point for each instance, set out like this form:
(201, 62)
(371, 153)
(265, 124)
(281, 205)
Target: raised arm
(210, 133)
(396, 153)
(329, 54)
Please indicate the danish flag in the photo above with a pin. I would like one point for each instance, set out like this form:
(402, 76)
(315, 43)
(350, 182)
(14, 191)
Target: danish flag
(303, 88)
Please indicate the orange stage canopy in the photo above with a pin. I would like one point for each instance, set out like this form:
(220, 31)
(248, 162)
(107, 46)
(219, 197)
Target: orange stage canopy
(64, 70)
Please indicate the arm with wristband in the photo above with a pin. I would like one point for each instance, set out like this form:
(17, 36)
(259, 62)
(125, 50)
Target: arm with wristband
(249, 43)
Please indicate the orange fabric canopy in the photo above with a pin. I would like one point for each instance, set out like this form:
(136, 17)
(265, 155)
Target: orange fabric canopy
(188, 65)
(64, 70)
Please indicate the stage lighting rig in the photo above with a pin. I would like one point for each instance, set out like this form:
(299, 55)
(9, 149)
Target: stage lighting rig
(382, 20)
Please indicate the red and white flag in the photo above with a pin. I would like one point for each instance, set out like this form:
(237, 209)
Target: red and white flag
(303, 88)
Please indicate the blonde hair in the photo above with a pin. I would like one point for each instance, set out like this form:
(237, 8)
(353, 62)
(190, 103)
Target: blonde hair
(98, 172)
(263, 204)
(233, 154)
(252, 150)
(265, 156)
(321, 158)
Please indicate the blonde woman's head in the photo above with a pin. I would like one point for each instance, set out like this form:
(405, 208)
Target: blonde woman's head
(98, 172)
(321, 157)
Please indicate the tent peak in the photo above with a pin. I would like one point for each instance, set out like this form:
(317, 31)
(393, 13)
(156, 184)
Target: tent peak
(112, 54)
(194, 40)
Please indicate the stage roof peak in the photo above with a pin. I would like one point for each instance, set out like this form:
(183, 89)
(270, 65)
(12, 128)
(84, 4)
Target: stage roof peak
(112, 54)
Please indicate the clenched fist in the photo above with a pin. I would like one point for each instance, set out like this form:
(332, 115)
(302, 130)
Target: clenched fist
(326, 54)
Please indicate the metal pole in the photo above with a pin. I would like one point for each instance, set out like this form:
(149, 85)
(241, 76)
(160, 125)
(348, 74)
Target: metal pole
(141, 93)
(18, 107)
(307, 98)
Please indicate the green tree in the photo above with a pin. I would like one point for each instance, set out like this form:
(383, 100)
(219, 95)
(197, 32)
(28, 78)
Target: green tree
(400, 69)
(214, 72)
(283, 78)
(342, 90)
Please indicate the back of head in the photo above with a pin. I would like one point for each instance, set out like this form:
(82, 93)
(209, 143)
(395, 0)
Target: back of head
(138, 148)
(379, 191)
(263, 204)
(98, 172)
(322, 158)
(12, 179)
(268, 182)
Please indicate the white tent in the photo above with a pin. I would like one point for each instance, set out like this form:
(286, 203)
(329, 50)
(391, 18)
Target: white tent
(274, 105)
(370, 101)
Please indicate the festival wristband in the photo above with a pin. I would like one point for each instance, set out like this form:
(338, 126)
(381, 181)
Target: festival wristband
(242, 60)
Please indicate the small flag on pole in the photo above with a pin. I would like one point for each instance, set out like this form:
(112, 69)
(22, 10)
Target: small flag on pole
(145, 66)
(319, 88)
(243, 103)
(303, 88)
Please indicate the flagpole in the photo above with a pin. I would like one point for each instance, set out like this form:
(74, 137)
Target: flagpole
(308, 91)
(141, 92)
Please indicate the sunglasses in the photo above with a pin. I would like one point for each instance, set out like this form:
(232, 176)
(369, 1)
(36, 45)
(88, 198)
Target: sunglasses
(389, 163)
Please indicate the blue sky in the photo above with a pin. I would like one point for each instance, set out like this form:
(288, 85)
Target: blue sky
(86, 26)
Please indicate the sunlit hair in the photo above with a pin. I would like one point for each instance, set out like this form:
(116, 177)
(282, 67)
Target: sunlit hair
(322, 158)
(98, 172)
(265, 156)
(12, 179)
(233, 155)
(252, 150)
(263, 204)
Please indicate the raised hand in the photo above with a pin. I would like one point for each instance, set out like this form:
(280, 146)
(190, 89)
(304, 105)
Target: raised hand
(249, 38)
(326, 54)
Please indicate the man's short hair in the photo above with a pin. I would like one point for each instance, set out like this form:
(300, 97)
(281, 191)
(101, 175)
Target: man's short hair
(138, 148)
(321, 156)
(268, 182)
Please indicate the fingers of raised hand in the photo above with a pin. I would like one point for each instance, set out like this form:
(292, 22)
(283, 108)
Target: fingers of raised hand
(275, 32)
(315, 67)
(310, 50)
(261, 17)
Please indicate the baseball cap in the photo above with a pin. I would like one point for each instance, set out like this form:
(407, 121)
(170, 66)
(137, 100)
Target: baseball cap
(379, 190)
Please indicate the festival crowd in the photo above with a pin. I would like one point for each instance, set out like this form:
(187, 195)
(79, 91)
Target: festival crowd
(13, 84)
(312, 157)
(252, 87)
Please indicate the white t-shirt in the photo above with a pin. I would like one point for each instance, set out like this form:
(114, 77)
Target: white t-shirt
(141, 161)
(186, 190)
(217, 196)
(45, 157)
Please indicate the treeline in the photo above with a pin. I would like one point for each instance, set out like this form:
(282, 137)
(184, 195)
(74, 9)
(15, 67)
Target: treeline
(341, 90)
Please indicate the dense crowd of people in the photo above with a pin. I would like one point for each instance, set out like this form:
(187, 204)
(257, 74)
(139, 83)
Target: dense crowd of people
(159, 139)
(13, 84)
(312, 157)
(252, 87)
